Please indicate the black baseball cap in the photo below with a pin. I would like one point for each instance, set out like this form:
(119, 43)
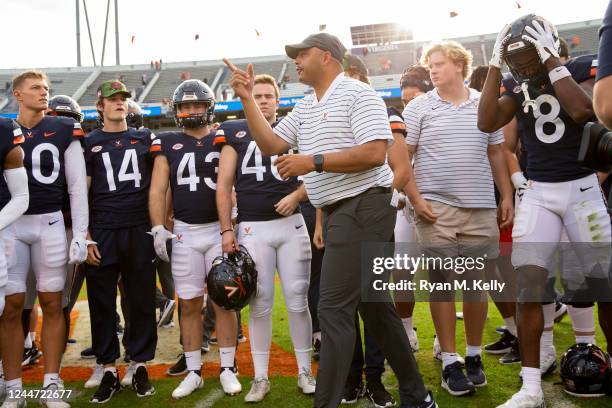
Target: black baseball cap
(323, 41)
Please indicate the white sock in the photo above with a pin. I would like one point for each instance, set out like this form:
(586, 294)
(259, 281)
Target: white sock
(33, 336)
(112, 369)
(15, 384)
(472, 351)
(549, 315)
(194, 360)
(316, 336)
(226, 356)
(586, 339)
(27, 342)
(1, 369)
(510, 325)
(50, 378)
(303, 358)
(583, 320)
(532, 380)
(448, 359)
(260, 363)
(407, 323)
(546, 341)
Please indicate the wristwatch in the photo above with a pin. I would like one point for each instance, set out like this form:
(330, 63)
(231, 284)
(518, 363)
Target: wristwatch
(318, 162)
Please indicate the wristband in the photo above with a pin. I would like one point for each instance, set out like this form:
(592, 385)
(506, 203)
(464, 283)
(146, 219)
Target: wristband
(224, 231)
(558, 73)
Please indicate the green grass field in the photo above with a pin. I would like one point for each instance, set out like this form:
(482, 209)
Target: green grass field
(503, 381)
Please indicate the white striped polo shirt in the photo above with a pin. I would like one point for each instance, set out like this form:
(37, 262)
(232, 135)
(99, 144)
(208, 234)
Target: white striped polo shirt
(451, 164)
(349, 114)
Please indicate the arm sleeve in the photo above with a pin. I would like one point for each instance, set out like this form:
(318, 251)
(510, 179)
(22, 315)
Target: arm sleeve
(368, 118)
(289, 128)
(605, 45)
(17, 183)
(77, 189)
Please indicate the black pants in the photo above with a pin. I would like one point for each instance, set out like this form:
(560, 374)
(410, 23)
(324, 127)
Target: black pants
(310, 217)
(365, 218)
(374, 358)
(128, 253)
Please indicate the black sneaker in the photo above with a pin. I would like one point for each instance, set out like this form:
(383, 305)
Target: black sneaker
(213, 340)
(379, 396)
(88, 353)
(560, 311)
(108, 387)
(513, 356)
(179, 368)
(316, 349)
(501, 346)
(166, 313)
(205, 346)
(475, 371)
(141, 384)
(30, 356)
(429, 402)
(352, 392)
(454, 380)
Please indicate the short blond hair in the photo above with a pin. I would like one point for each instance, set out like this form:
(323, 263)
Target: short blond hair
(35, 74)
(268, 79)
(453, 50)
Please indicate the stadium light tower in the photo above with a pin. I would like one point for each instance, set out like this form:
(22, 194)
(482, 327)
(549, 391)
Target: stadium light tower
(78, 34)
(117, 59)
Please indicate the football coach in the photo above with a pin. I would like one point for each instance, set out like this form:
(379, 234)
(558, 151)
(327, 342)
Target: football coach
(342, 134)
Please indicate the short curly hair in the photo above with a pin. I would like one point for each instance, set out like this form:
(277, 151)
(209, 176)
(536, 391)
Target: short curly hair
(453, 50)
(416, 76)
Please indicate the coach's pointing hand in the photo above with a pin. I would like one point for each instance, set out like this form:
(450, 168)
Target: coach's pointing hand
(242, 82)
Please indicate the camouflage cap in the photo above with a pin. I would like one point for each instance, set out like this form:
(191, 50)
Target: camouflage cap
(112, 87)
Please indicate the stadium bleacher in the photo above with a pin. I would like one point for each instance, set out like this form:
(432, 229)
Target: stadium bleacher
(385, 63)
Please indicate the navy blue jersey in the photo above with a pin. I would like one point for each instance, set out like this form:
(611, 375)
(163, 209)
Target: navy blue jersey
(120, 166)
(258, 184)
(11, 136)
(193, 174)
(44, 146)
(549, 136)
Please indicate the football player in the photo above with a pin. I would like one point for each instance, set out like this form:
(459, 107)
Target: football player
(551, 109)
(11, 157)
(54, 162)
(119, 174)
(271, 227)
(187, 162)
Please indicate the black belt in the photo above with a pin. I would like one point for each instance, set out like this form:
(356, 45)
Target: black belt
(328, 209)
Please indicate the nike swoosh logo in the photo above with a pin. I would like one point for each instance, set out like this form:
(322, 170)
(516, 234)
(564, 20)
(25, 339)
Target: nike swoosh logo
(53, 222)
(48, 134)
(298, 226)
(585, 189)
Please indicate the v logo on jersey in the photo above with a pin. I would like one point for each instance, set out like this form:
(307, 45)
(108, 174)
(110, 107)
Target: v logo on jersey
(118, 143)
(179, 237)
(247, 231)
(29, 134)
(48, 134)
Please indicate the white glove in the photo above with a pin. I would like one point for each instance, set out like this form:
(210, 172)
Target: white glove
(78, 250)
(160, 236)
(498, 48)
(520, 185)
(543, 40)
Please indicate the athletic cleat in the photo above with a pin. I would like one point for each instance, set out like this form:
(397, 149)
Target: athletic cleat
(241, 338)
(108, 387)
(189, 384)
(352, 392)
(88, 353)
(179, 368)
(141, 384)
(560, 311)
(459, 315)
(475, 371)
(501, 346)
(213, 341)
(166, 313)
(548, 361)
(259, 389)
(429, 402)
(513, 356)
(523, 400)
(96, 377)
(53, 402)
(307, 383)
(205, 346)
(30, 356)
(414, 340)
(380, 397)
(126, 381)
(229, 381)
(454, 380)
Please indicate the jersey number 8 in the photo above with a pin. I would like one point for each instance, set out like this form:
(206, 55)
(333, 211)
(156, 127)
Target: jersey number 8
(551, 117)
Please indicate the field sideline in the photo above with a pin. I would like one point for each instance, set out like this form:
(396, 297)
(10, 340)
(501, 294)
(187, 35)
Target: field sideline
(503, 381)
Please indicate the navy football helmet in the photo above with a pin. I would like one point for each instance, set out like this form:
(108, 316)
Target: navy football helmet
(63, 105)
(232, 280)
(193, 90)
(135, 117)
(585, 371)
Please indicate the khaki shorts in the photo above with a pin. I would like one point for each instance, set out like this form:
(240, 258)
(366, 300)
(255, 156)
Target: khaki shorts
(459, 232)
